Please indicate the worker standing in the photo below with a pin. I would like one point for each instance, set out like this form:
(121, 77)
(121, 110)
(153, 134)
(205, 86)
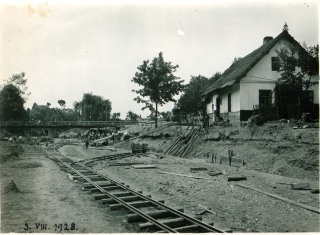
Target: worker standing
(87, 143)
(112, 137)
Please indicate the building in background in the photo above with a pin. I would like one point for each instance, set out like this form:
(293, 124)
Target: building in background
(249, 85)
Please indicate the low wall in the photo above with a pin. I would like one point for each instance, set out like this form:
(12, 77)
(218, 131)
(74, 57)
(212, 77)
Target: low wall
(233, 117)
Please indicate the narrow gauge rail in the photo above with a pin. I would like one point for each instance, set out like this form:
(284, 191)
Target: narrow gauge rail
(151, 215)
(105, 157)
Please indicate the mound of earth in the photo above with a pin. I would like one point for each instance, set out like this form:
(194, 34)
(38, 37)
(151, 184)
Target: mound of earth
(281, 148)
(11, 188)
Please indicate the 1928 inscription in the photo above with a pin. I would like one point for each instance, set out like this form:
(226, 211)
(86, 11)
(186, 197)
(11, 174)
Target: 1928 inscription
(62, 227)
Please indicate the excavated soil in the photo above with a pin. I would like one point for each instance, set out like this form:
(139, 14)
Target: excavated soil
(275, 155)
(234, 207)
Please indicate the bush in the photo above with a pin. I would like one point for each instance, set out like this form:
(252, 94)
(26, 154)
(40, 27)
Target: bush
(256, 120)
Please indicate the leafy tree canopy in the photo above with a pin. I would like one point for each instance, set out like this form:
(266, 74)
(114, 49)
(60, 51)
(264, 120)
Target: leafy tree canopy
(11, 104)
(115, 116)
(45, 113)
(62, 103)
(19, 81)
(131, 116)
(159, 84)
(93, 108)
(167, 116)
(214, 77)
(298, 65)
(190, 101)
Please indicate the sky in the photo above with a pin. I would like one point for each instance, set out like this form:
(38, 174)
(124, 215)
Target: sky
(68, 48)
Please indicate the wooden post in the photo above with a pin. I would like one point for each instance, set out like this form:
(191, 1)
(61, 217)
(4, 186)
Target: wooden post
(212, 157)
(230, 154)
(215, 158)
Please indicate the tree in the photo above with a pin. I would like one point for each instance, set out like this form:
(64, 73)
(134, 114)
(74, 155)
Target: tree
(93, 108)
(167, 116)
(159, 84)
(131, 116)
(190, 101)
(62, 103)
(48, 104)
(214, 77)
(177, 115)
(115, 116)
(20, 82)
(45, 113)
(11, 104)
(297, 66)
(309, 63)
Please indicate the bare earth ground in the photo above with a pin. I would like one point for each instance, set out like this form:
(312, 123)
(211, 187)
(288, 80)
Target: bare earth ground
(48, 196)
(239, 209)
(274, 154)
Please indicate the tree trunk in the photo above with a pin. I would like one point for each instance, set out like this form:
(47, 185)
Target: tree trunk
(156, 116)
(299, 103)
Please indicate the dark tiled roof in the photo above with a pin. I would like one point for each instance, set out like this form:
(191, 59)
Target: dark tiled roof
(242, 66)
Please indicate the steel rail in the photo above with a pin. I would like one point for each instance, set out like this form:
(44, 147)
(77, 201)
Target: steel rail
(145, 216)
(101, 158)
(156, 203)
(176, 212)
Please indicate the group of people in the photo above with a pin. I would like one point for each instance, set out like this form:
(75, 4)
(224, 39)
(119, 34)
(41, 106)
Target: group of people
(90, 137)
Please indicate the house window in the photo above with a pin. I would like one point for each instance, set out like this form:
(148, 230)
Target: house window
(275, 63)
(229, 102)
(265, 99)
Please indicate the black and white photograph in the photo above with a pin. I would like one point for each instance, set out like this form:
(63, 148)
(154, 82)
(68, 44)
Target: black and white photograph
(159, 116)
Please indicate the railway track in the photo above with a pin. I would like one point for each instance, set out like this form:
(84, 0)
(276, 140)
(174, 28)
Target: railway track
(105, 157)
(151, 215)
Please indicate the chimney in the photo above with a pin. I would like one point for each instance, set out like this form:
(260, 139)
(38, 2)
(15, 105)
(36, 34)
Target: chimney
(267, 39)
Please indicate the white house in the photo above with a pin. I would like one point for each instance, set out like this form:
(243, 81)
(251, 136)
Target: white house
(249, 83)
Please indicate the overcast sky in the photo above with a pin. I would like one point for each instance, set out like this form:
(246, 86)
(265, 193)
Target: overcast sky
(67, 49)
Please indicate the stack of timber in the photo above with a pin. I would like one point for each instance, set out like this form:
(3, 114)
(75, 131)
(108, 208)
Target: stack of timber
(182, 144)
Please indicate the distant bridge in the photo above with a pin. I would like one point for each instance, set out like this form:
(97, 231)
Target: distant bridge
(71, 124)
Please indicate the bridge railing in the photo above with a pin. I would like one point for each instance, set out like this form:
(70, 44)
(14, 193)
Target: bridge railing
(67, 123)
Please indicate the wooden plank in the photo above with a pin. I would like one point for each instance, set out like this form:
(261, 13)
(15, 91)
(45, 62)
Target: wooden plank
(188, 176)
(124, 163)
(300, 186)
(281, 198)
(144, 166)
(237, 178)
(198, 169)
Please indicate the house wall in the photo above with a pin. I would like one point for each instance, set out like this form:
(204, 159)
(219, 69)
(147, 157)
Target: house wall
(260, 77)
(235, 100)
(234, 115)
(211, 107)
(315, 89)
(249, 93)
